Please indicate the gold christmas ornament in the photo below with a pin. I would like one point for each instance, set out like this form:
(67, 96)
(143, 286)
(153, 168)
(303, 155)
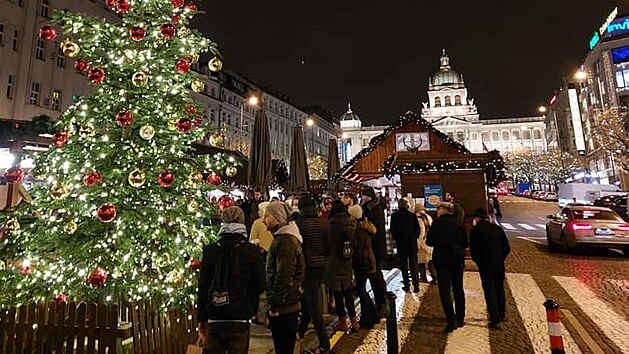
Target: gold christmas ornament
(197, 86)
(70, 227)
(193, 206)
(10, 226)
(216, 139)
(3, 266)
(137, 178)
(140, 79)
(162, 260)
(70, 49)
(193, 58)
(87, 131)
(184, 31)
(147, 132)
(174, 278)
(231, 171)
(195, 177)
(59, 191)
(215, 64)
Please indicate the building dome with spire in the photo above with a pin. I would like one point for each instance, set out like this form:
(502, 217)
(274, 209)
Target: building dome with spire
(446, 77)
(349, 118)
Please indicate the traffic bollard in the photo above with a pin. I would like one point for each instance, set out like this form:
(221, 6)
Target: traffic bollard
(392, 340)
(554, 327)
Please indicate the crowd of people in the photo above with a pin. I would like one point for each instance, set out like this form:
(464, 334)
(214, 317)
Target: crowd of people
(293, 253)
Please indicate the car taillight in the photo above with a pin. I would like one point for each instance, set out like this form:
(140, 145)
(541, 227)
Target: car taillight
(623, 227)
(580, 226)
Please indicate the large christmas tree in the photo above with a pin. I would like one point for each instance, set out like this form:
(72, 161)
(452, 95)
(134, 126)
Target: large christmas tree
(120, 216)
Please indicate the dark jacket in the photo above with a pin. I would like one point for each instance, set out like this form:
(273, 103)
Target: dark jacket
(489, 246)
(405, 231)
(339, 272)
(374, 211)
(448, 239)
(459, 213)
(285, 271)
(315, 232)
(250, 278)
(364, 260)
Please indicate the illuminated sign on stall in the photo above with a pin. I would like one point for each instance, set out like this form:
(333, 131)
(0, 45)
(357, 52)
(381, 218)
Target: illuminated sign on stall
(601, 31)
(576, 120)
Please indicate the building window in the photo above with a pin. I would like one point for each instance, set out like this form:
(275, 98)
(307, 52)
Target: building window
(537, 134)
(526, 135)
(485, 136)
(505, 136)
(55, 100)
(10, 87)
(460, 137)
(450, 135)
(437, 101)
(447, 101)
(43, 8)
(35, 89)
(365, 142)
(1, 34)
(515, 134)
(17, 35)
(495, 136)
(61, 58)
(622, 78)
(457, 100)
(40, 52)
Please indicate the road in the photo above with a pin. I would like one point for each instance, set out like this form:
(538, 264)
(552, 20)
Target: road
(592, 290)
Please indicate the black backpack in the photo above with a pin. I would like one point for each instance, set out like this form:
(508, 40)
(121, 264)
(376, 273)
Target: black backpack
(226, 295)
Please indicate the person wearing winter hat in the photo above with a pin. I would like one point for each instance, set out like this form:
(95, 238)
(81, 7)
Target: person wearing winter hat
(314, 232)
(364, 263)
(326, 206)
(285, 270)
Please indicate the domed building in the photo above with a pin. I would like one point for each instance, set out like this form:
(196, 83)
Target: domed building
(451, 110)
(354, 136)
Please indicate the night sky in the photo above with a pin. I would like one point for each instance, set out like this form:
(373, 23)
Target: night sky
(379, 54)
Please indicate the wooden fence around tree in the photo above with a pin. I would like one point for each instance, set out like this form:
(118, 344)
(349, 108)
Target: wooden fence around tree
(95, 328)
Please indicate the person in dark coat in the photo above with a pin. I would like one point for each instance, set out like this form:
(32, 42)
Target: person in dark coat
(457, 210)
(253, 211)
(340, 270)
(489, 247)
(226, 326)
(364, 263)
(315, 233)
(448, 239)
(405, 231)
(497, 210)
(373, 210)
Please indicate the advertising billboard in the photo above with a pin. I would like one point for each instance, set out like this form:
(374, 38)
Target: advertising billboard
(576, 121)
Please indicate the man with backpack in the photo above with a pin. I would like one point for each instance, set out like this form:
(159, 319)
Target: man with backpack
(231, 280)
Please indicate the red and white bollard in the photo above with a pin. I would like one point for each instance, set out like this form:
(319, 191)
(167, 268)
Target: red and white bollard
(554, 327)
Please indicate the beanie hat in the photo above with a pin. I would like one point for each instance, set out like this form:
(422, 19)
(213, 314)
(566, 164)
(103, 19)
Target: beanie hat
(356, 211)
(305, 201)
(233, 214)
(280, 210)
(370, 192)
(262, 208)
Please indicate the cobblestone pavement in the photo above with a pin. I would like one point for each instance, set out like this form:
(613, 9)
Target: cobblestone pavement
(592, 289)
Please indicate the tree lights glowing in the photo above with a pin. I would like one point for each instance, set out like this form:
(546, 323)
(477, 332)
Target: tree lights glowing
(120, 217)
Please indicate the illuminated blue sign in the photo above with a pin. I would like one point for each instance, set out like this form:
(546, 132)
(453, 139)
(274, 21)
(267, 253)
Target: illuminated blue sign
(620, 55)
(602, 30)
(618, 27)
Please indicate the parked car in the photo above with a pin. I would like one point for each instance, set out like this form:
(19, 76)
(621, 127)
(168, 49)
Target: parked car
(540, 195)
(526, 193)
(584, 225)
(617, 203)
(551, 197)
(534, 194)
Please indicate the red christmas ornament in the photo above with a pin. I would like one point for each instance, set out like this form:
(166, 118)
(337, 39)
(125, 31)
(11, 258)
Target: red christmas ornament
(191, 109)
(184, 125)
(168, 30)
(137, 33)
(175, 19)
(106, 213)
(60, 139)
(225, 202)
(123, 118)
(166, 178)
(214, 179)
(111, 3)
(123, 6)
(61, 298)
(14, 174)
(96, 75)
(194, 264)
(191, 7)
(98, 277)
(47, 33)
(26, 270)
(197, 122)
(91, 179)
(177, 3)
(81, 65)
(183, 66)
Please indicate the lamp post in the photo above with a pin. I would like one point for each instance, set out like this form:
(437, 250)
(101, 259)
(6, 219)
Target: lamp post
(252, 101)
(310, 123)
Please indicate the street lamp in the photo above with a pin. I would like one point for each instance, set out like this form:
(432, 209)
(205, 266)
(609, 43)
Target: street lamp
(310, 123)
(344, 136)
(542, 109)
(252, 101)
(580, 75)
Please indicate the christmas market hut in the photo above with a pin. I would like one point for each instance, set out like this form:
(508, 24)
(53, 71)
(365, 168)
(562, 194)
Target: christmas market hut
(413, 159)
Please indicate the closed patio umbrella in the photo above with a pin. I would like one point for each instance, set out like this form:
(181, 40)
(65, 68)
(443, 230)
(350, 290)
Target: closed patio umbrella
(259, 170)
(333, 166)
(299, 181)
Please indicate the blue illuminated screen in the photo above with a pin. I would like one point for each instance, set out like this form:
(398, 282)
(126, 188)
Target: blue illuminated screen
(620, 55)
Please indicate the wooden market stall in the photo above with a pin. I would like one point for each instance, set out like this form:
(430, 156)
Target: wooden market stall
(421, 155)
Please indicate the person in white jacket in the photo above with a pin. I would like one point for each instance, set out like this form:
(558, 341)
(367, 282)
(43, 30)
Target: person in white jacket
(424, 252)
